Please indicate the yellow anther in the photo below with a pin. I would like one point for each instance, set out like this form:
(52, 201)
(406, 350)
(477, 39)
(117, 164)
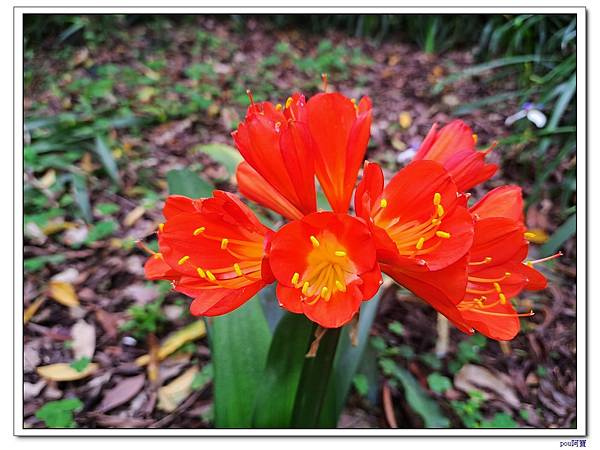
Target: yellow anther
(474, 136)
(529, 235)
(507, 274)
(435, 221)
(295, 278)
(440, 210)
(159, 255)
(420, 243)
(528, 263)
(288, 102)
(340, 286)
(224, 243)
(210, 275)
(437, 198)
(479, 302)
(201, 272)
(488, 258)
(161, 227)
(442, 234)
(305, 288)
(324, 291)
(183, 260)
(278, 107)
(497, 287)
(315, 241)
(237, 269)
(502, 298)
(340, 253)
(198, 231)
(353, 100)
(383, 203)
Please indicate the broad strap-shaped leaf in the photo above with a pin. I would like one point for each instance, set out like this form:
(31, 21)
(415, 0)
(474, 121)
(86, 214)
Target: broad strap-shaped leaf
(277, 392)
(239, 345)
(347, 360)
(315, 381)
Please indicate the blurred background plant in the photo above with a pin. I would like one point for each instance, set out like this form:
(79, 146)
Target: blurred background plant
(121, 109)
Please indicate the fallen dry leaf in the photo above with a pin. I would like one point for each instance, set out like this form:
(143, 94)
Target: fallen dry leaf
(64, 372)
(123, 391)
(84, 339)
(134, 215)
(63, 293)
(474, 378)
(189, 333)
(171, 395)
(32, 309)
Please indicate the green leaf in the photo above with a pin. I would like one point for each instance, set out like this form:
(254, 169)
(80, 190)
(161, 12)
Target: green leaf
(202, 378)
(39, 262)
(107, 159)
(566, 231)
(361, 384)
(81, 364)
(396, 328)
(82, 196)
(315, 383)
(277, 392)
(500, 420)
(438, 382)
(186, 182)
(480, 68)
(101, 230)
(239, 345)
(225, 155)
(415, 396)
(59, 414)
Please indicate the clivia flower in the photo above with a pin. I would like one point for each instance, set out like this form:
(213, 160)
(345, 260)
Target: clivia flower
(421, 226)
(278, 171)
(454, 147)
(213, 250)
(326, 265)
(496, 272)
(417, 228)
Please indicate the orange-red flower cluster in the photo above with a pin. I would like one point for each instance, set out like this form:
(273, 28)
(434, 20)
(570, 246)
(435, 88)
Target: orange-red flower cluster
(468, 263)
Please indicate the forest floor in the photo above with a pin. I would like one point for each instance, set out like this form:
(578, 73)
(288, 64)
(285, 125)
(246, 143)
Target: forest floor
(110, 116)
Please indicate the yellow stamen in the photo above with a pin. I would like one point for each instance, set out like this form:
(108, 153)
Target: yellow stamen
(237, 269)
(340, 253)
(437, 198)
(288, 102)
(183, 260)
(324, 291)
(224, 243)
(502, 298)
(161, 227)
(497, 287)
(278, 107)
(383, 203)
(507, 274)
(315, 241)
(201, 272)
(420, 243)
(159, 255)
(529, 235)
(442, 234)
(198, 231)
(305, 288)
(340, 286)
(435, 221)
(210, 275)
(440, 210)
(475, 137)
(295, 278)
